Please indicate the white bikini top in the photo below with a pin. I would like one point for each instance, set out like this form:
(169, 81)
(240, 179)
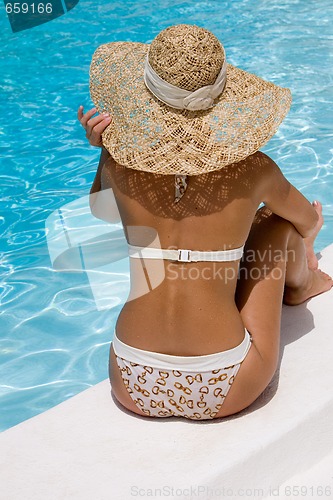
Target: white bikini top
(182, 255)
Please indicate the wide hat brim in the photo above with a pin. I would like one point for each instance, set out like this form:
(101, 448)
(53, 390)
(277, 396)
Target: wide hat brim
(146, 134)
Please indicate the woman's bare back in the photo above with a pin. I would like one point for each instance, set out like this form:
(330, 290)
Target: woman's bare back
(191, 311)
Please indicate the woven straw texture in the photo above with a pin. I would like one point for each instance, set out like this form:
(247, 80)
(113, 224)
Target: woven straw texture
(148, 135)
(188, 57)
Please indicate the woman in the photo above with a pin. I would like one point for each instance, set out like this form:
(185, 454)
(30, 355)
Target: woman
(180, 152)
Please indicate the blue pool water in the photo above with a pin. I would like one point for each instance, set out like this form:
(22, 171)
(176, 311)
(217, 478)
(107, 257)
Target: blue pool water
(54, 341)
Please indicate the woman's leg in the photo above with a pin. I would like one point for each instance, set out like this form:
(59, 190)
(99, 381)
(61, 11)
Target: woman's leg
(274, 268)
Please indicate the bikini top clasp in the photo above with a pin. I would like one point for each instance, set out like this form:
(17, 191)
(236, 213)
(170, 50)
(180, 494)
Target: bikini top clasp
(184, 255)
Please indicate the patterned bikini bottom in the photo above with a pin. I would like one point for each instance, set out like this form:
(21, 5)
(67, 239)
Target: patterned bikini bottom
(163, 385)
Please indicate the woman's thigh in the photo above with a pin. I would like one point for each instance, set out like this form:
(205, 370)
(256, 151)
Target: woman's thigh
(259, 298)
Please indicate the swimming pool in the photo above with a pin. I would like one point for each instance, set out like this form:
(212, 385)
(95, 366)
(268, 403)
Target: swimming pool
(54, 341)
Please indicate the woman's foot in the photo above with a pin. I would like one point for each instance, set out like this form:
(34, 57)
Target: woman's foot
(309, 241)
(319, 282)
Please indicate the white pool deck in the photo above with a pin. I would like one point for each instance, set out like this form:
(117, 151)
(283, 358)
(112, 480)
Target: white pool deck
(88, 448)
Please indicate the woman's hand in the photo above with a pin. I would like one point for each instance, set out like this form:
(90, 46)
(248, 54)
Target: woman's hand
(94, 127)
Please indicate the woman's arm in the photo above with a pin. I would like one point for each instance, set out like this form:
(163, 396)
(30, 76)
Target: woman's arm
(102, 202)
(97, 185)
(285, 200)
(94, 128)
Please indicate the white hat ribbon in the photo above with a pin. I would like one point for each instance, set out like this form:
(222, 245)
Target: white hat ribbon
(200, 99)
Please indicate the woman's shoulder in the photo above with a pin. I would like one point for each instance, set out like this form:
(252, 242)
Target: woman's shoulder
(261, 166)
(261, 159)
(253, 168)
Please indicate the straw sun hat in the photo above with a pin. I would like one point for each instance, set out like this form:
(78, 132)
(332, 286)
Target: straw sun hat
(178, 107)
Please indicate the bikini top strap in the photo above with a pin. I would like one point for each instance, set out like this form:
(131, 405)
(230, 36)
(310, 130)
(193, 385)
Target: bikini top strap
(183, 255)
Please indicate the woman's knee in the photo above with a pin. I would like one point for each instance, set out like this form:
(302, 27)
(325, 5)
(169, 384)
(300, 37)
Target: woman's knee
(265, 217)
(269, 234)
